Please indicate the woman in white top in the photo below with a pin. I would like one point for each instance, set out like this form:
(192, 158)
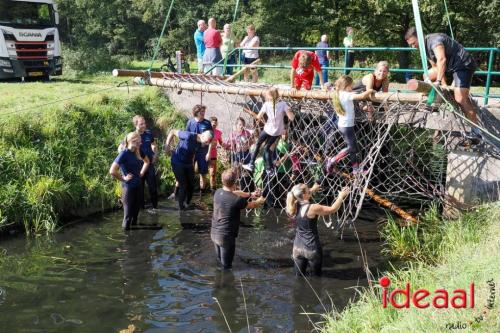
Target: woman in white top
(251, 40)
(274, 127)
(343, 98)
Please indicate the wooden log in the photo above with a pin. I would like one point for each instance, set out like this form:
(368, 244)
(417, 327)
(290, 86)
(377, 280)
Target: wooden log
(238, 73)
(384, 202)
(423, 87)
(245, 89)
(160, 75)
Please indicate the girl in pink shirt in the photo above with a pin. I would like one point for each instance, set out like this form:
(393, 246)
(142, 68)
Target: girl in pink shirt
(212, 164)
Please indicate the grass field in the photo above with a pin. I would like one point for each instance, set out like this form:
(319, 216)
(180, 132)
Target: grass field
(446, 254)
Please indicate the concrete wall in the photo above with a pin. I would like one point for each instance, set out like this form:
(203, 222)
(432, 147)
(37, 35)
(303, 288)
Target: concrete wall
(472, 178)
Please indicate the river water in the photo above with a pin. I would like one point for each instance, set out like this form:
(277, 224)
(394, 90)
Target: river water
(162, 277)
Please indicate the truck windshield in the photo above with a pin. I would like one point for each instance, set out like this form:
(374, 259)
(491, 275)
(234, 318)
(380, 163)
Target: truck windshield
(26, 14)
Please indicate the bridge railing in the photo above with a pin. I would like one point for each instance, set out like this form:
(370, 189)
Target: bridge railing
(489, 73)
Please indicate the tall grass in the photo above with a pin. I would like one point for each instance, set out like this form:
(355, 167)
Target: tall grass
(443, 254)
(54, 160)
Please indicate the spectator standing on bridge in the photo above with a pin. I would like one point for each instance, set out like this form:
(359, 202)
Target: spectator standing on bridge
(213, 41)
(447, 56)
(227, 47)
(304, 64)
(228, 203)
(182, 161)
(200, 45)
(129, 167)
(307, 250)
(343, 98)
(323, 56)
(198, 124)
(349, 42)
(249, 56)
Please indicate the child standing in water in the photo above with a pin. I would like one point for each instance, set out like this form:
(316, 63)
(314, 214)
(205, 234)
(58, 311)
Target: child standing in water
(342, 99)
(212, 164)
(274, 127)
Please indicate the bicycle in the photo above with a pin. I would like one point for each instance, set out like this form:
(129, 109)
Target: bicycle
(171, 66)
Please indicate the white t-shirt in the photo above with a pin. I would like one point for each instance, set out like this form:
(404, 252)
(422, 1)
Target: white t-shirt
(248, 42)
(347, 120)
(275, 124)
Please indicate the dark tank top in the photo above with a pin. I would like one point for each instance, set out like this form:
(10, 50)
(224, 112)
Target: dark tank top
(307, 229)
(360, 87)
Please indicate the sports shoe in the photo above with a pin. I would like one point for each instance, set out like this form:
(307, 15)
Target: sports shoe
(330, 165)
(248, 167)
(359, 171)
(271, 172)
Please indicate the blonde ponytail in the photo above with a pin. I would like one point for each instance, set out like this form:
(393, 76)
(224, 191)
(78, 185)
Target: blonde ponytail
(340, 85)
(293, 197)
(291, 204)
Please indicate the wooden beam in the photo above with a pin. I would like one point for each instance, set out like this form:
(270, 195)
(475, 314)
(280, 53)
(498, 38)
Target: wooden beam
(160, 75)
(423, 87)
(255, 90)
(244, 69)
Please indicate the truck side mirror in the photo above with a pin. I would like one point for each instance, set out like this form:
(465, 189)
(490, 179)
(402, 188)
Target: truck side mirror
(56, 14)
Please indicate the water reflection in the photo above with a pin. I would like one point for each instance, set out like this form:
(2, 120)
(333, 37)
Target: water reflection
(162, 277)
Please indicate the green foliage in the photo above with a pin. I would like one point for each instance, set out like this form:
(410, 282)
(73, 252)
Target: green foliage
(432, 236)
(55, 161)
(107, 28)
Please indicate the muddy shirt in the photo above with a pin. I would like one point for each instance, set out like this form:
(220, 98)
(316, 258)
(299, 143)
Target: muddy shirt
(226, 218)
(457, 59)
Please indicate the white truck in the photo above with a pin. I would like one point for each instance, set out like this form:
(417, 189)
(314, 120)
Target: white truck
(29, 39)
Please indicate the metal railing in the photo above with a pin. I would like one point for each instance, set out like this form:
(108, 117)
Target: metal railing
(488, 73)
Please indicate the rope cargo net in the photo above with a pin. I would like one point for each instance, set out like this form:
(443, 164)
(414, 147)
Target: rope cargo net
(405, 162)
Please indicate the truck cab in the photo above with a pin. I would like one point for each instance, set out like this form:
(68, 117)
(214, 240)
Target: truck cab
(29, 39)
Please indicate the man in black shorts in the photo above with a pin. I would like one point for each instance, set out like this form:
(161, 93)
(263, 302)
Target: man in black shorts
(228, 203)
(448, 56)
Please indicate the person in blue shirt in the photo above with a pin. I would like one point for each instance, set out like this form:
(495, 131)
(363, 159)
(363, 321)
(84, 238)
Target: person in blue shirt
(200, 45)
(129, 167)
(149, 149)
(323, 56)
(182, 160)
(198, 124)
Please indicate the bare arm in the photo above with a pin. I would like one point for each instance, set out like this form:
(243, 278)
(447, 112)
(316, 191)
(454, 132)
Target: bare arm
(368, 81)
(440, 61)
(257, 203)
(363, 95)
(289, 113)
(114, 171)
(292, 78)
(145, 166)
(173, 133)
(260, 117)
(317, 209)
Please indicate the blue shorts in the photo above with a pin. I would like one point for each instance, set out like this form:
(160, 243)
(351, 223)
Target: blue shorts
(202, 163)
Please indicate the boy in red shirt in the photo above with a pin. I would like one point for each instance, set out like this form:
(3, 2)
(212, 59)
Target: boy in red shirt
(304, 64)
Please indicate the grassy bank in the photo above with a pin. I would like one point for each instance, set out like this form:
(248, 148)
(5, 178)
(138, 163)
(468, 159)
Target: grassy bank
(442, 254)
(54, 155)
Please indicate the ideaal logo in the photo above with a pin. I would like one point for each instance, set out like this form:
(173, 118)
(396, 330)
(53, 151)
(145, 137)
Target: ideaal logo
(423, 298)
(439, 299)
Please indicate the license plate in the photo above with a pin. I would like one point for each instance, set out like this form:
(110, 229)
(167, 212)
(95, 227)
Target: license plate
(35, 73)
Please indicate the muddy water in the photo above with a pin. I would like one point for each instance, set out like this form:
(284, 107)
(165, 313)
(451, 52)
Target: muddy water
(92, 277)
